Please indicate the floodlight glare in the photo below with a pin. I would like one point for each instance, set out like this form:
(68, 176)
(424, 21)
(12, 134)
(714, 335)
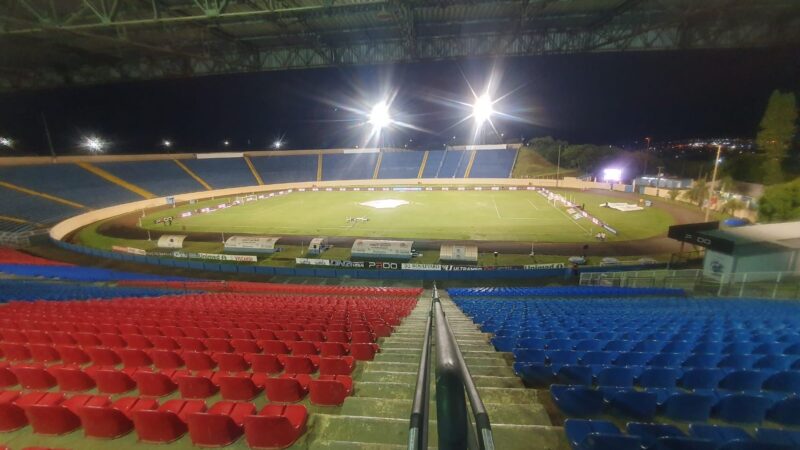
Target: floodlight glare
(379, 117)
(612, 174)
(6, 142)
(277, 144)
(482, 109)
(226, 143)
(167, 143)
(94, 144)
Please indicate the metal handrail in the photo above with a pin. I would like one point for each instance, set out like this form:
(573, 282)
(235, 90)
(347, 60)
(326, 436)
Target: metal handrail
(418, 429)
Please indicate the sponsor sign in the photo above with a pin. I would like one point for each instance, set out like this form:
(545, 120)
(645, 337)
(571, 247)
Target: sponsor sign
(131, 250)
(215, 257)
(254, 244)
(412, 266)
(544, 266)
(312, 262)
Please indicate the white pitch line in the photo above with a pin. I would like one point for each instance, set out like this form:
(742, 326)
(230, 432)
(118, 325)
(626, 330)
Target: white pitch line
(496, 210)
(533, 204)
(569, 218)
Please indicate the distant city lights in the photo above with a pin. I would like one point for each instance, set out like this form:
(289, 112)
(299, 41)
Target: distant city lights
(94, 144)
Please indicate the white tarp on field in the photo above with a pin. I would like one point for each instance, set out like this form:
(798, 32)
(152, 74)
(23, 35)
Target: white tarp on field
(251, 244)
(384, 204)
(625, 207)
(373, 248)
(171, 241)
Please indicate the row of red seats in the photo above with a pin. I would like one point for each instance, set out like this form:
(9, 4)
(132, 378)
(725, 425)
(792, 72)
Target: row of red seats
(245, 286)
(331, 387)
(11, 256)
(275, 426)
(29, 331)
(192, 360)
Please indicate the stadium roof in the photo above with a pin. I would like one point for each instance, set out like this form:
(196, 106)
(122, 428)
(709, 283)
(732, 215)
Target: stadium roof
(51, 43)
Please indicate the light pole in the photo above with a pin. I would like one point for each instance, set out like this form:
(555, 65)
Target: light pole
(558, 164)
(658, 180)
(713, 180)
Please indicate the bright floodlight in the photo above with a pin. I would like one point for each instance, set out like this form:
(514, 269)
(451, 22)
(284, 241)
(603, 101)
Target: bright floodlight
(482, 109)
(94, 144)
(612, 174)
(226, 143)
(167, 143)
(6, 142)
(379, 117)
(277, 144)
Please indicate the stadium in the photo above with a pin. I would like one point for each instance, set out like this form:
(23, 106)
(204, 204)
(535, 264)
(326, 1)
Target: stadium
(379, 297)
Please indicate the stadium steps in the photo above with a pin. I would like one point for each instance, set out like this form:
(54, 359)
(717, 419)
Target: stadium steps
(111, 178)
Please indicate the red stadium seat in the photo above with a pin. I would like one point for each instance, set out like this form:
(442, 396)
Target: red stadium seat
(44, 353)
(337, 336)
(13, 351)
(110, 381)
(363, 351)
(362, 337)
(155, 384)
(299, 364)
(38, 337)
(340, 365)
(231, 362)
(264, 363)
(168, 422)
(164, 343)
(333, 349)
(115, 420)
(216, 332)
(198, 361)
(194, 332)
(103, 356)
(239, 333)
(276, 426)
(72, 355)
(274, 347)
(191, 344)
(7, 377)
(15, 336)
(287, 388)
(199, 385)
(132, 357)
(330, 389)
(137, 341)
(112, 340)
(166, 359)
(12, 416)
(61, 338)
(34, 376)
(287, 335)
(53, 415)
(223, 424)
(303, 348)
(86, 339)
(127, 328)
(265, 335)
(312, 335)
(71, 378)
(241, 386)
(245, 345)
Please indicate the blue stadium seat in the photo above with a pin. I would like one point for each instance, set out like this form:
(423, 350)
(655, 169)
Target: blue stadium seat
(682, 443)
(589, 345)
(738, 361)
(599, 357)
(530, 355)
(633, 359)
(578, 401)
(659, 378)
(637, 405)
(702, 360)
(775, 362)
(744, 380)
(667, 360)
(718, 434)
(597, 435)
(753, 445)
(575, 375)
(648, 433)
(617, 376)
(535, 374)
(678, 347)
(739, 348)
(788, 438)
(561, 357)
(537, 343)
(709, 347)
(786, 381)
(785, 412)
(742, 408)
(701, 378)
(688, 407)
(770, 348)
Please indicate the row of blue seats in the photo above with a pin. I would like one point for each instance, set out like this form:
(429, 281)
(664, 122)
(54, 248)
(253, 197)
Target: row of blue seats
(604, 435)
(494, 293)
(18, 290)
(733, 407)
(702, 360)
(734, 344)
(541, 375)
(76, 273)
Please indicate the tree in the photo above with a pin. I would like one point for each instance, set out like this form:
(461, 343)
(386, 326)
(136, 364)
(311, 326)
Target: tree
(776, 134)
(780, 202)
(732, 206)
(698, 192)
(673, 194)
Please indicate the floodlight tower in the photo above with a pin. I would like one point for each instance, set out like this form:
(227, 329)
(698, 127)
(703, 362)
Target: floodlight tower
(380, 118)
(93, 144)
(482, 111)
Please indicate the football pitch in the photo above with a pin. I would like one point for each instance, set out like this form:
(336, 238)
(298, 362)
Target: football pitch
(521, 216)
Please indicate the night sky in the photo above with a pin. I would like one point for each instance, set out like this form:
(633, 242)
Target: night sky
(600, 99)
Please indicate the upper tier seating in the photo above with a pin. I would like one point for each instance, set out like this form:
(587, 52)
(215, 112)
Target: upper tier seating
(432, 165)
(453, 164)
(76, 273)
(162, 178)
(222, 173)
(67, 181)
(400, 165)
(286, 169)
(247, 286)
(11, 289)
(11, 256)
(566, 291)
(103, 365)
(348, 166)
(33, 208)
(651, 360)
(493, 164)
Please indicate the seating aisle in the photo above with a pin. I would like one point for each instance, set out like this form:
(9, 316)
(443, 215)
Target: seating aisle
(518, 417)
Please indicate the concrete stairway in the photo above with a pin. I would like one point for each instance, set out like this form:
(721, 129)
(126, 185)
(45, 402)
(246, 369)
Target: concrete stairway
(376, 417)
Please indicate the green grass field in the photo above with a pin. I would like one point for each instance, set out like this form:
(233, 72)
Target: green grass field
(522, 216)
